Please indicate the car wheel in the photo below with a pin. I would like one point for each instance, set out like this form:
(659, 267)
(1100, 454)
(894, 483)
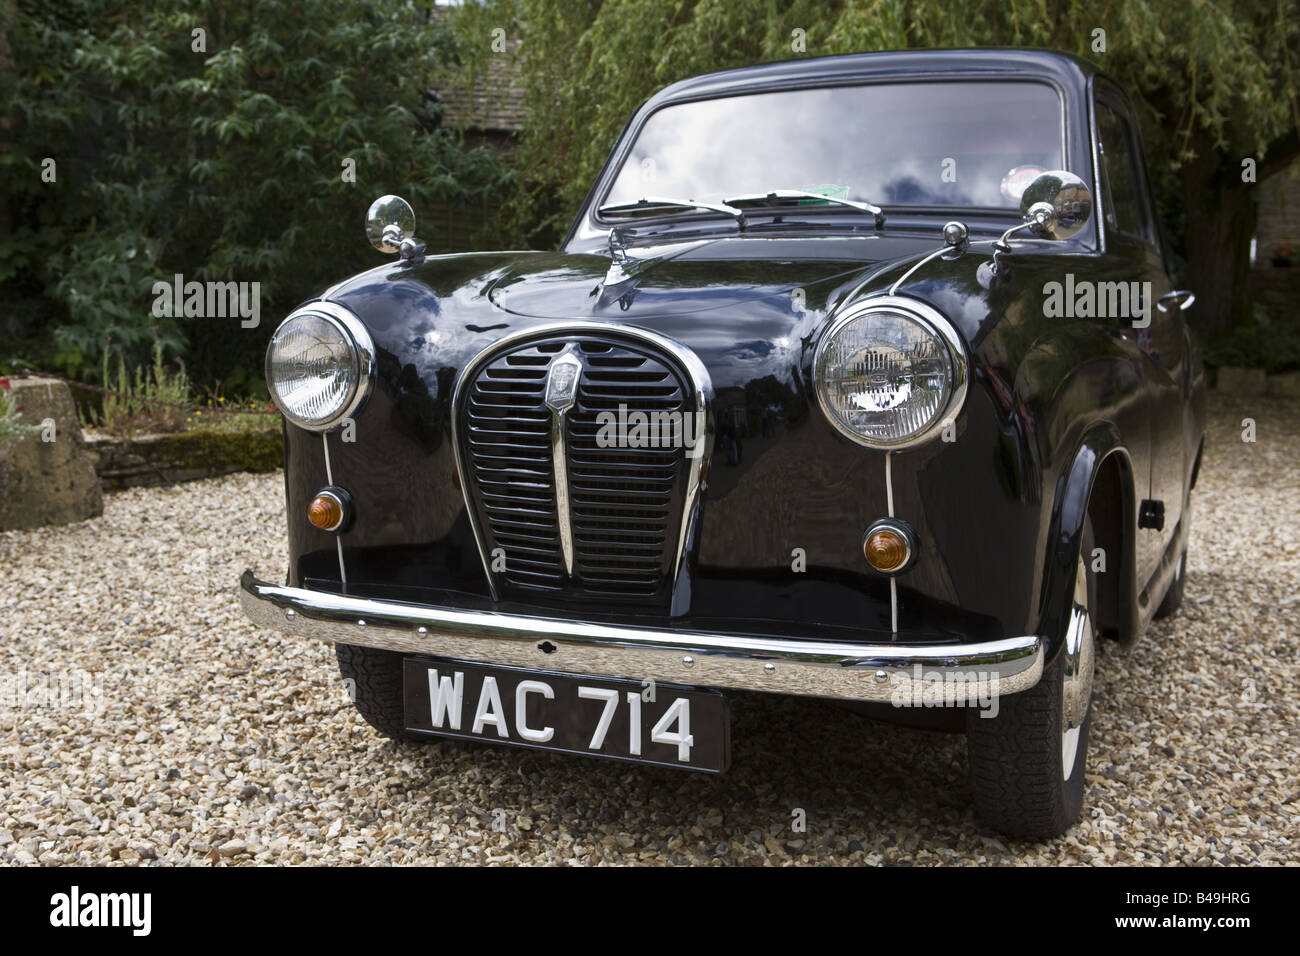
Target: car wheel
(1028, 762)
(1174, 596)
(373, 679)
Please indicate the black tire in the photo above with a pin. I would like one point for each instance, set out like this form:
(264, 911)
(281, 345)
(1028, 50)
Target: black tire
(1174, 596)
(1016, 759)
(373, 679)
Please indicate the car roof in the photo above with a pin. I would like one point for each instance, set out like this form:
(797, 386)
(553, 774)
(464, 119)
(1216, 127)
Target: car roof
(1065, 68)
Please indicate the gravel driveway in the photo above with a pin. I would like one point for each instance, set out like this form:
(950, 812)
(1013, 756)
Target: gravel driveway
(218, 743)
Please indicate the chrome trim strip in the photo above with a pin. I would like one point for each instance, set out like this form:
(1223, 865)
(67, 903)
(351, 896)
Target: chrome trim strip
(559, 404)
(329, 479)
(1099, 209)
(917, 265)
(692, 502)
(590, 225)
(563, 511)
(889, 510)
(363, 348)
(893, 605)
(817, 668)
(700, 379)
(931, 318)
(329, 472)
(889, 484)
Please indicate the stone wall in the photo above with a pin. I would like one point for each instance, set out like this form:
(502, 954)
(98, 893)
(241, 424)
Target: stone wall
(185, 456)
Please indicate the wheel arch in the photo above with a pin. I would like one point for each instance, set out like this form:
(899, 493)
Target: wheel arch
(1098, 484)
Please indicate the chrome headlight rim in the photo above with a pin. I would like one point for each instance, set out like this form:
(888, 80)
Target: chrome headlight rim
(358, 336)
(928, 318)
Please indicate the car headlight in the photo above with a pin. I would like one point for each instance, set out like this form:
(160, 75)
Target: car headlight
(320, 365)
(889, 372)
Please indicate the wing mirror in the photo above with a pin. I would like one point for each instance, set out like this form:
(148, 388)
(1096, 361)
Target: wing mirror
(1056, 205)
(390, 227)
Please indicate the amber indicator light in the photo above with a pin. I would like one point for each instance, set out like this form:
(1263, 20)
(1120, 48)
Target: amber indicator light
(325, 512)
(886, 550)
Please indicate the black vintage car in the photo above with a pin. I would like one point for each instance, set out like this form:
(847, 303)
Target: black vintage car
(859, 378)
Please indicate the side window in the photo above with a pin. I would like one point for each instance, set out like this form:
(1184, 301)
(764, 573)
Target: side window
(1125, 207)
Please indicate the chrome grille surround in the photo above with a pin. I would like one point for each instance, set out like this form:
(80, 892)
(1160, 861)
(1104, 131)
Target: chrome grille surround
(573, 521)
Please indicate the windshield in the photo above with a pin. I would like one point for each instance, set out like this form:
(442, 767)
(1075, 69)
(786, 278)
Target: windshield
(946, 143)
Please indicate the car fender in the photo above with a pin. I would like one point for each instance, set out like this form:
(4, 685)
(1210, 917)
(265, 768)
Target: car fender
(1101, 443)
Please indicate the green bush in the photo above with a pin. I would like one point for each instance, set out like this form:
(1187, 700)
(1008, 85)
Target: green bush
(209, 139)
(11, 423)
(1266, 342)
(151, 400)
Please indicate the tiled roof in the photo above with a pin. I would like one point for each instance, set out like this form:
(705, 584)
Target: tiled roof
(490, 100)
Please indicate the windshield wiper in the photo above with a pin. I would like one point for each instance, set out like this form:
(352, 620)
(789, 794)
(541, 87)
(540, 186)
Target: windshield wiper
(776, 195)
(653, 202)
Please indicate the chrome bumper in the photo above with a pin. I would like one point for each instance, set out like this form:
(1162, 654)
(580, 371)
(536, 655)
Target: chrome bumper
(814, 668)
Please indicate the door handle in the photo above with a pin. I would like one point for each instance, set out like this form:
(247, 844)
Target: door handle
(1183, 298)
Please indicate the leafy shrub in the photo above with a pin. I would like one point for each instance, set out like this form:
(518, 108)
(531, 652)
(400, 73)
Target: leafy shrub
(11, 423)
(1266, 342)
(211, 139)
(152, 400)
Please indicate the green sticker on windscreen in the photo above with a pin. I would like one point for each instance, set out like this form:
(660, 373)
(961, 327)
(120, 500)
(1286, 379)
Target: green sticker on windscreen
(833, 192)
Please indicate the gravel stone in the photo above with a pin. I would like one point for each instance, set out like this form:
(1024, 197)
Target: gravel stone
(205, 741)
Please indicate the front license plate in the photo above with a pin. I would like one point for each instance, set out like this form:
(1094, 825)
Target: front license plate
(666, 724)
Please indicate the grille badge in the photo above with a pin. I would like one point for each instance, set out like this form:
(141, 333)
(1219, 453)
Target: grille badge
(562, 382)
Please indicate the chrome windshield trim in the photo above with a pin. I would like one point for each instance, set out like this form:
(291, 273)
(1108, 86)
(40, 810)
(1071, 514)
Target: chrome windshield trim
(591, 224)
(883, 672)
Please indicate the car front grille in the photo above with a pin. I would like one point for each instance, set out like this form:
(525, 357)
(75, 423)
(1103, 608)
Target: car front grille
(624, 504)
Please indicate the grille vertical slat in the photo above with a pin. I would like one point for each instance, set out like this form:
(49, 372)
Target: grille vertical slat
(625, 503)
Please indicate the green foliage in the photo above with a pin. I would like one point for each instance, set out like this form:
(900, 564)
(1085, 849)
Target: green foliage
(249, 420)
(225, 164)
(218, 451)
(1266, 342)
(11, 423)
(150, 401)
(162, 458)
(1208, 76)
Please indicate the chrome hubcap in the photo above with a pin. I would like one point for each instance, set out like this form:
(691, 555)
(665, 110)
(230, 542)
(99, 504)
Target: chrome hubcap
(1076, 689)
